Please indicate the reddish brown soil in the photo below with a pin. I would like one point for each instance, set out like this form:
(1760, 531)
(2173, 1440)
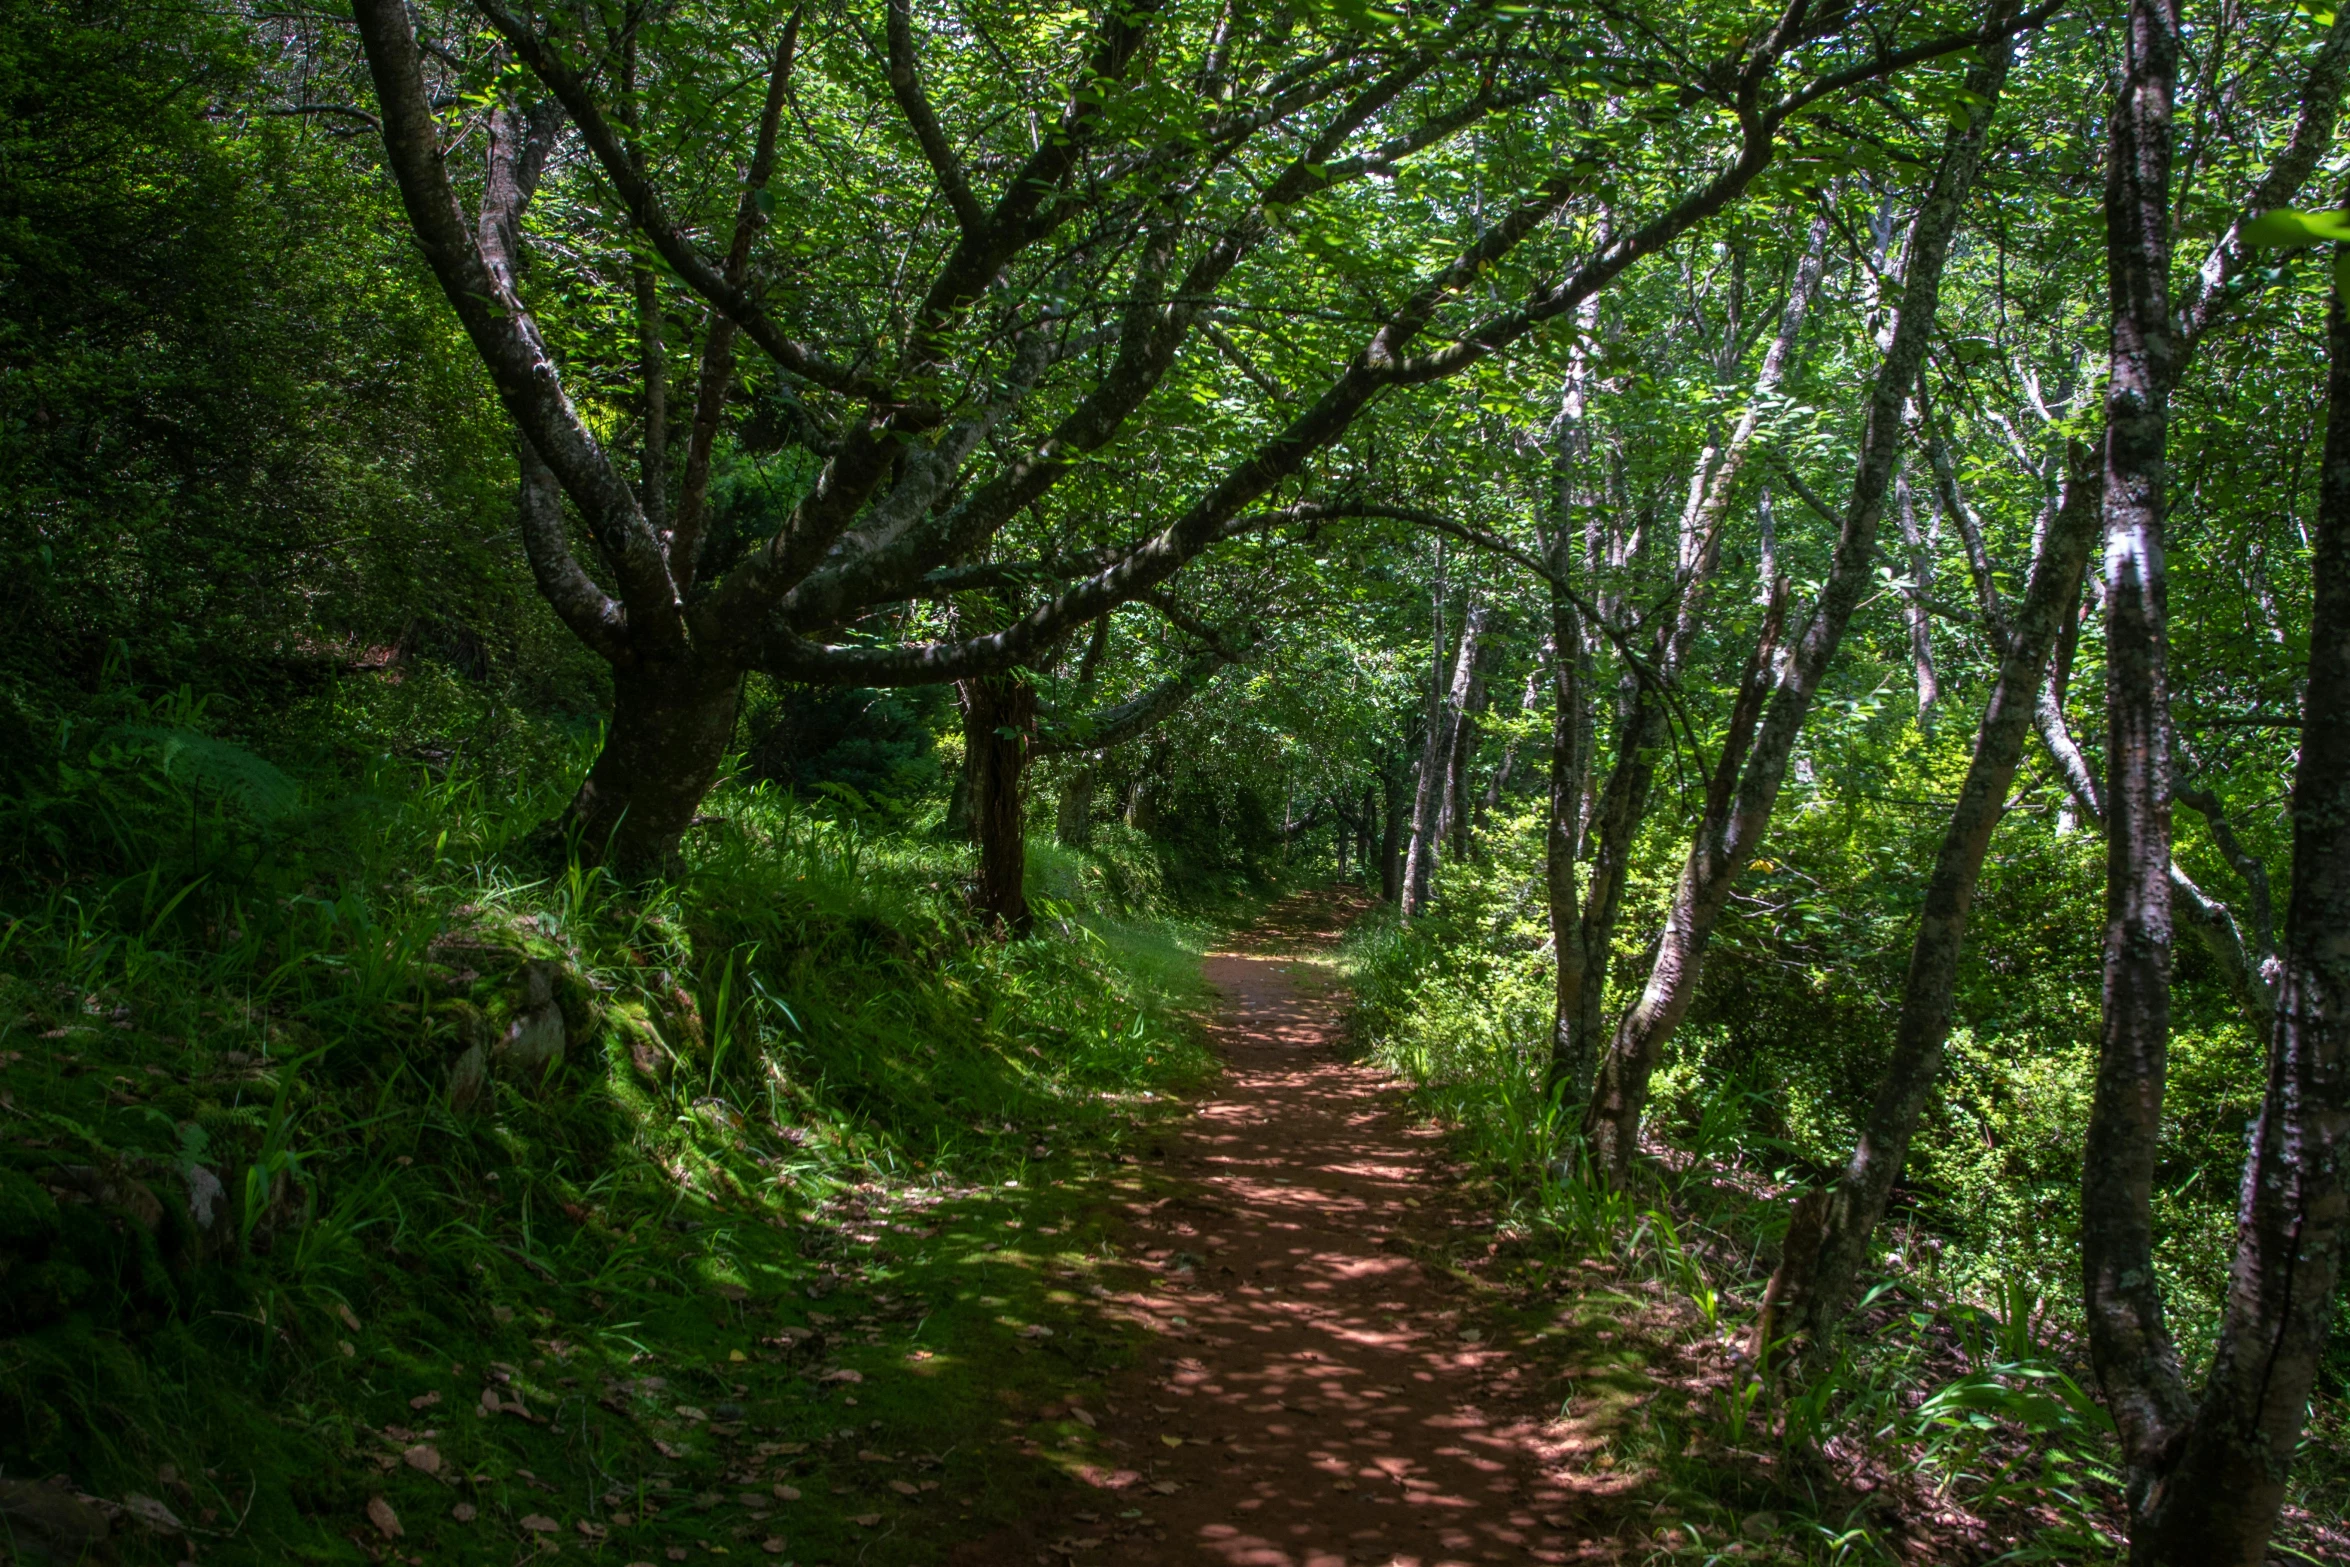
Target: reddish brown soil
(1318, 1397)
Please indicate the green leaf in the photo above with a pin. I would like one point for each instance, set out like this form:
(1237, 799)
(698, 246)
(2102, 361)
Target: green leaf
(2286, 227)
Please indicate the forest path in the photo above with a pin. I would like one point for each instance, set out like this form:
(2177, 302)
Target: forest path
(1319, 1394)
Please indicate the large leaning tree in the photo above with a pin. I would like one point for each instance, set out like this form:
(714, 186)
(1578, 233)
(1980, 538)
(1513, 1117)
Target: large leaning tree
(981, 259)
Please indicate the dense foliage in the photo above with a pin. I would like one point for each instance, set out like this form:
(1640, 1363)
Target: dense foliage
(786, 548)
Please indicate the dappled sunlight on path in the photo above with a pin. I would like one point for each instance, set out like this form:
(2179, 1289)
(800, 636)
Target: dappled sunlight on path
(1320, 1396)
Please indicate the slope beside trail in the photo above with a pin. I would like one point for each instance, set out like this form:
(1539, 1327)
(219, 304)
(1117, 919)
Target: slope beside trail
(1320, 1391)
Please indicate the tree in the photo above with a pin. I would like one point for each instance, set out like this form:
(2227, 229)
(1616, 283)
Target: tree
(1051, 318)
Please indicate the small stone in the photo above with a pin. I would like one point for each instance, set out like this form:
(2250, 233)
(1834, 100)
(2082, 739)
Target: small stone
(465, 1512)
(153, 1514)
(540, 1523)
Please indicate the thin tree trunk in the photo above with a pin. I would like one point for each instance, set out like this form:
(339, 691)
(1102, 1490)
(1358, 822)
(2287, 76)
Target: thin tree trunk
(1921, 620)
(999, 725)
(1828, 1238)
(1728, 837)
(2129, 1344)
(1073, 820)
(1391, 841)
(653, 363)
(652, 339)
(1453, 823)
(1569, 1063)
(2219, 1504)
(1428, 795)
(1615, 813)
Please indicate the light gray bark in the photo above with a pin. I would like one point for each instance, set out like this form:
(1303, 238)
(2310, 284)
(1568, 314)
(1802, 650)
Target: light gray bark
(1728, 838)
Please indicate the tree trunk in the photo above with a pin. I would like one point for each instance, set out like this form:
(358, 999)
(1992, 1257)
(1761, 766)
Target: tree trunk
(671, 725)
(1391, 846)
(1728, 837)
(1453, 824)
(1921, 620)
(2220, 1502)
(1569, 1066)
(1610, 820)
(2129, 1344)
(1428, 795)
(999, 725)
(1828, 1239)
(1073, 821)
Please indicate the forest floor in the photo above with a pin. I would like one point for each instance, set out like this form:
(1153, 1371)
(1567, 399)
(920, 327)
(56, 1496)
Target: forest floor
(1327, 1378)
(1255, 1318)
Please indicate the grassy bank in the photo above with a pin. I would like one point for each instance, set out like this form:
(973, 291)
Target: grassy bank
(366, 1196)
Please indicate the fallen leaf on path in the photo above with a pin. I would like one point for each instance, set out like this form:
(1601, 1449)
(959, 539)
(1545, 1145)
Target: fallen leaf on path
(866, 1520)
(665, 1450)
(867, 1455)
(772, 1545)
(736, 1355)
(1172, 1441)
(689, 1412)
(675, 1553)
(465, 1512)
(1035, 1330)
(787, 1493)
(424, 1400)
(423, 1456)
(1084, 1418)
(1165, 1487)
(387, 1522)
(540, 1523)
(592, 1531)
(842, 1374)
(350, 1317)
(905, 1488)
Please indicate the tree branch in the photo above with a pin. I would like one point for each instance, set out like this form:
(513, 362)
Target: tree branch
(907, 88)
(502, 331)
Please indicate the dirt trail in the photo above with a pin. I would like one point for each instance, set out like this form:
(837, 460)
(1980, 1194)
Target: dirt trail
(1319, 1397)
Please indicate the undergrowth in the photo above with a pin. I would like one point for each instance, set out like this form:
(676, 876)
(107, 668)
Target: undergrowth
(1953, 1422)
(363, 1186)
